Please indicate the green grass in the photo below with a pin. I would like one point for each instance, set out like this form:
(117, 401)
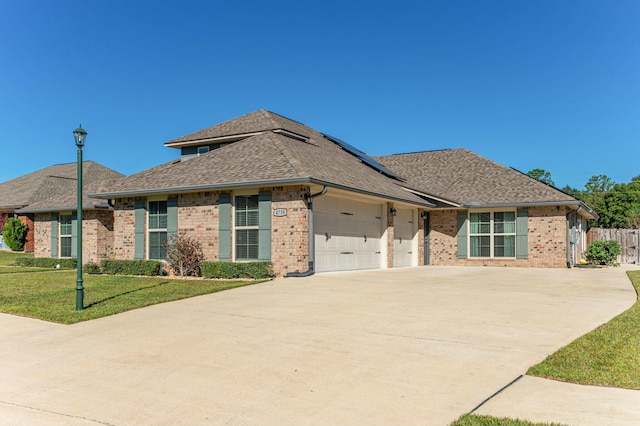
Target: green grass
(8, 258)
(475, 420)
(607, 356)
(51, 295)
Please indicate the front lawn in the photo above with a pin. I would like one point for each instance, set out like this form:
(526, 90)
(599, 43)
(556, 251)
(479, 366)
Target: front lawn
(51, 295)
(8, 258)
(607, 356)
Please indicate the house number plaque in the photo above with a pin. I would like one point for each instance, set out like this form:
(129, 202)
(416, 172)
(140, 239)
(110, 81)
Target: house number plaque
(280, 212)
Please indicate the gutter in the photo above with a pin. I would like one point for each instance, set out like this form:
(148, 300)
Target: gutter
(102, 206)
(312, 241)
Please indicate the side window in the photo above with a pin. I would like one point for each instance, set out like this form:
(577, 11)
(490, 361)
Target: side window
(65, 235)
(247, 234)
(157, 229)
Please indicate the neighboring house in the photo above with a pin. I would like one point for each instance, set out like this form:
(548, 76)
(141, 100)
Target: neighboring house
(262, 187)
(49, 195)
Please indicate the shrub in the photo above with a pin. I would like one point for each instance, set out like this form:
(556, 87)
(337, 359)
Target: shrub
(184, 255)
(15, 233)
(46, 262)
(91, 268)
(603, 253)
(131, 267)
(237, 270)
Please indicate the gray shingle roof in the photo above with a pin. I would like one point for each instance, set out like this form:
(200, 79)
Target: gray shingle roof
(50, 183)
(268, 158)
(467, 178)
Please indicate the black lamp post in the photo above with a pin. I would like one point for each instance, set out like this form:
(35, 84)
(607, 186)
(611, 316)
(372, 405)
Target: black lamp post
(80, 135)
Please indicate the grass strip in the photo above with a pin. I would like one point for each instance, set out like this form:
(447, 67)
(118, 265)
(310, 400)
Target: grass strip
(607, 356)
(476, 420)
(50, 296)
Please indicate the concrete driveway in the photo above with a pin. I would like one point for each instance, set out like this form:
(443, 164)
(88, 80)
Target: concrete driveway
(415, 346)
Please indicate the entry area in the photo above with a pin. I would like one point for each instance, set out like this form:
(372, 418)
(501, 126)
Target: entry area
(348, 234)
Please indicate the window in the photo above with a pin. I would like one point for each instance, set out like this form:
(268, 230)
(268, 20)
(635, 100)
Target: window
(157, 229)
(203, 150)
(65, 235)
(246, 227)
(492, 234)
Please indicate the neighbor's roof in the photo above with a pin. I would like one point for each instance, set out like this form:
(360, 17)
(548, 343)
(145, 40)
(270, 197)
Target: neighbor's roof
(273, 150)
(49, 183)
(69, 200)
(471, 180)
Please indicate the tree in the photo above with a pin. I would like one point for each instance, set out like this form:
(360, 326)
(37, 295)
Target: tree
(541, 175)
(15, 233)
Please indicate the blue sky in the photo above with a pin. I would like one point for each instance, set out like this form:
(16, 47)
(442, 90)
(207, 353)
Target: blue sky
(548, 84)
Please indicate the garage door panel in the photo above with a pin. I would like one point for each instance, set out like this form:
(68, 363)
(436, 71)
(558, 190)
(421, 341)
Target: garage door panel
(348, 234)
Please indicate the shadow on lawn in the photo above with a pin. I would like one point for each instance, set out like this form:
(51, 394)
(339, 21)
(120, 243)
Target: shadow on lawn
(115, 296)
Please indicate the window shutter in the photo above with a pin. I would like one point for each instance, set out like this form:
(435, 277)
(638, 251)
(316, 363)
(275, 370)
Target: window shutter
(74, 235)
(264, 226)
(138, 250)
(224, 228)
(54, 235)
(462, 235)
(522, 234)
(172, 217)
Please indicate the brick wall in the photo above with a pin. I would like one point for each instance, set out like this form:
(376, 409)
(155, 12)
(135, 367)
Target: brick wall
(198, 217)
(547, 240)
(124, 228)
(290, 233)
(97, 235)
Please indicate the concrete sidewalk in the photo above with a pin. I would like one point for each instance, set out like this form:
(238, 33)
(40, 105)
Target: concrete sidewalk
(414, 346)
(541, 400)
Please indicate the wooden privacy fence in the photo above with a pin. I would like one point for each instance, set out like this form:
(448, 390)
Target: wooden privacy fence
(629, 240)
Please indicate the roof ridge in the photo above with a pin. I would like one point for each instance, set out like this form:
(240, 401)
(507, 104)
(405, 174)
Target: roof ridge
(292, 159)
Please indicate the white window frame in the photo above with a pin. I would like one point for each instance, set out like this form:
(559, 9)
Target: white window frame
(237, 228)
(491, 234)
(62, 236)
(155, 230)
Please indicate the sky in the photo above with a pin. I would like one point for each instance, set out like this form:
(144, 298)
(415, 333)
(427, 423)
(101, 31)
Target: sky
(549, 84)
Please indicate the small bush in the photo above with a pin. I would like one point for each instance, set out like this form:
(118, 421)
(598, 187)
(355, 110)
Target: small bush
(184, 255)
(15, 233)
(603, 253)
(131, 267)
(47, 262)
(230, 270)
(91, 268)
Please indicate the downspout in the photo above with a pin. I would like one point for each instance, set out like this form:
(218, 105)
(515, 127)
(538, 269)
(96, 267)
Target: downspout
(570, 244)
(311, 269)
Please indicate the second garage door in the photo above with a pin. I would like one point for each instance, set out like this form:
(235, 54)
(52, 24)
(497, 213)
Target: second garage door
(347, 234)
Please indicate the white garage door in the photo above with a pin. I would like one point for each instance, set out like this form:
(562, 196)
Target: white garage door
(347, 234)
(403, 238)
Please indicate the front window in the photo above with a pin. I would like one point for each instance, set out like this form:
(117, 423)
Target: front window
(246, 227)
(492, 234)
(65, 235)
(157, 229)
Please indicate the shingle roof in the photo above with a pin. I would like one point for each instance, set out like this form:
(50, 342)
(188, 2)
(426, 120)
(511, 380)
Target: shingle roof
(467, 178)
(257, 121)
(267, 158)
(69, 200)
(50, 183)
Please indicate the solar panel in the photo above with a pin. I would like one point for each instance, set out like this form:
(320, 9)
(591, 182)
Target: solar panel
(363, 157)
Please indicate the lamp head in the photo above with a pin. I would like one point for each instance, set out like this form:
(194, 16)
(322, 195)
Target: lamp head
(80, 135)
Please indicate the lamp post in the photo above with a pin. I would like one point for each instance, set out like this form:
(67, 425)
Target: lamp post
(80, 136)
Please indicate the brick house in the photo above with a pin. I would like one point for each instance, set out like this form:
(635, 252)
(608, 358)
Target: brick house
(265, 187)
(45, 201)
